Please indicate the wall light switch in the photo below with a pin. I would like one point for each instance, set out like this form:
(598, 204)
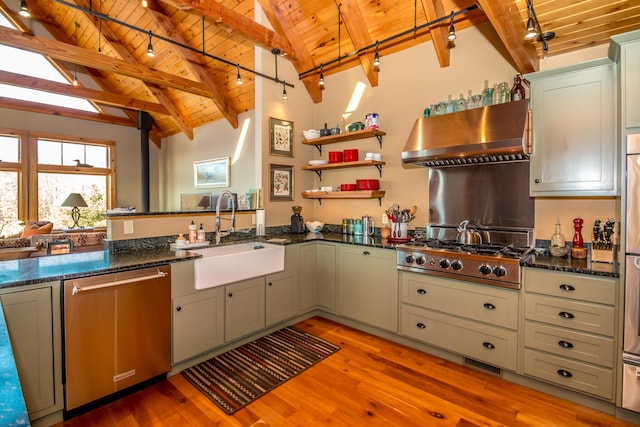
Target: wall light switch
(128, 227)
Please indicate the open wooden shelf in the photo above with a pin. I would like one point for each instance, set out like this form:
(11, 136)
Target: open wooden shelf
(359, 163)
(347, 136)
(362, 194)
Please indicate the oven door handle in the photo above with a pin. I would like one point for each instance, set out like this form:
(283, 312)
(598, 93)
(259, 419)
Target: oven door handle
(77, 290)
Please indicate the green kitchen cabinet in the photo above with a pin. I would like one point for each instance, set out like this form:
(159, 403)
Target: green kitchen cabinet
(368, 286)
(281, 293)
(244, 308)
(575, 148)
(307, 254)
(625, 49)
(325, 276)
(34, 324)
(197, 317)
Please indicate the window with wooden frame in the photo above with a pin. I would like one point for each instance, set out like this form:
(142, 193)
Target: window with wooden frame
(13, 181)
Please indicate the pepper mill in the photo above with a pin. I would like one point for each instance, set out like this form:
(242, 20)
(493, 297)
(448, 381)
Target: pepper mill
(578, 250)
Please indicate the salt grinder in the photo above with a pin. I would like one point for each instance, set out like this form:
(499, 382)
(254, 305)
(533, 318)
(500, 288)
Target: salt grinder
(578, 250)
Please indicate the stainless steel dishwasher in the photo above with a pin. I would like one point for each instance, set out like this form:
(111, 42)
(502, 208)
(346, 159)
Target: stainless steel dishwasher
(117, 332)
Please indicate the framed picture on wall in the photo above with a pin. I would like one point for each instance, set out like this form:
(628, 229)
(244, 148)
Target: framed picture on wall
(281, 137)
(211, 173)
(280, 182)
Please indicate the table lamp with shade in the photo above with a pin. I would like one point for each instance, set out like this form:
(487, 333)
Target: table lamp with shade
(75, 201)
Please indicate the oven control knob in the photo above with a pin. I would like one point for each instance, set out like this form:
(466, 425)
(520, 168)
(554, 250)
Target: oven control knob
(444, 263)
(456, 265)
(420, 260)
(500, 271)
(410, 259)
(485, 269)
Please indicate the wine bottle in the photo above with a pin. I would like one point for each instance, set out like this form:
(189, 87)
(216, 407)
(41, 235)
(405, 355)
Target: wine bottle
(517, 91)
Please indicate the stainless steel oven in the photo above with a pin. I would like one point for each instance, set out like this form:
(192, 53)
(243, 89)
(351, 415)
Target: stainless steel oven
(631, 355)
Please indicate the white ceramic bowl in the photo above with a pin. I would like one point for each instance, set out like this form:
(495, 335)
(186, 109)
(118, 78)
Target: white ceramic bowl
(311, 134)
(558, 250)
(314, 226)
(318, 162)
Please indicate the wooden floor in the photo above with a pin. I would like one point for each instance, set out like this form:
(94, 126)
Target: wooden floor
(370, 381)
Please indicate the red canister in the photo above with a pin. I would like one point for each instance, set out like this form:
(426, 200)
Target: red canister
(335, 156)
(351, 155)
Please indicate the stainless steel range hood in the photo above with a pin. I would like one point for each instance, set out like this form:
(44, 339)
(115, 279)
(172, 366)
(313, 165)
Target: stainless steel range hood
(498, 133)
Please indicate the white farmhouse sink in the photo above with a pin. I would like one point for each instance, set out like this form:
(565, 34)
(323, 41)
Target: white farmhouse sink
(230, 263)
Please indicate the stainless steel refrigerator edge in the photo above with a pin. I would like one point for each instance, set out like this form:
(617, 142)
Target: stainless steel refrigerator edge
(631, 343)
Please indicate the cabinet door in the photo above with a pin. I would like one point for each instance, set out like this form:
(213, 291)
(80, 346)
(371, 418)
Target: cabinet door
(29, 317)
(325, 276)
(244, 308)
(307, 276)
(631, 84)
(368, 286)
(198, 323)
(281, 293)
(574, 137)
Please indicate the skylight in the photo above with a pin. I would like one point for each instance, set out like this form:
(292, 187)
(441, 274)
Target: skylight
(35, 65)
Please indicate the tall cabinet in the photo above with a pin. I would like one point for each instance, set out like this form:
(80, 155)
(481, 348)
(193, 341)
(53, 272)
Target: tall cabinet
(575, 149)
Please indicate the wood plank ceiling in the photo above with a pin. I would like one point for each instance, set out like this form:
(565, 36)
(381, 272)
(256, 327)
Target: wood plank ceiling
(182, 89)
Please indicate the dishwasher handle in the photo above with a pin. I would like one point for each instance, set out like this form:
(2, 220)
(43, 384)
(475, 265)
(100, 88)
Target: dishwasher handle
(78, 289)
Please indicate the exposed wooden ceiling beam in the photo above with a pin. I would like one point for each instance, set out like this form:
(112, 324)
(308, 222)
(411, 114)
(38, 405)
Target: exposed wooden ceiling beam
(87, 58)
(34, 107)
(439, 33)
(507, 21)
(237, 23)
(283, 23)
(194, 64)
(359, 34)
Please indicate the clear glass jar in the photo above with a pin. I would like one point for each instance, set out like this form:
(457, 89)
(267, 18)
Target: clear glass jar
(557, 238)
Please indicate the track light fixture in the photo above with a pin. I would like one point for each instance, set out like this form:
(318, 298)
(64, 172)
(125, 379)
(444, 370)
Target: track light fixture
(24, 9)
(544, 38)
(239, 77)
(321, 76)
(452, 30)
(376, 58)
(284, 92)
(150, 52)
(531, 26)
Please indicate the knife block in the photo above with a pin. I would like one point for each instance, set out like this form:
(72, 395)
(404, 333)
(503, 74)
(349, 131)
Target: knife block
(602, 255)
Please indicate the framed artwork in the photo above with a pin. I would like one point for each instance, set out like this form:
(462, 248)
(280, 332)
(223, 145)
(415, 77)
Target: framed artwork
(281, 137)
(211, 173)
(281, 182)
(59, 247)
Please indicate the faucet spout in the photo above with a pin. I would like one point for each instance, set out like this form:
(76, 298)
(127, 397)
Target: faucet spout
(219, 232)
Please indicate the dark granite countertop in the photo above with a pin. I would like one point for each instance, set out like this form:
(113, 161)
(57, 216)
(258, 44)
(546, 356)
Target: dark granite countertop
(571, 265)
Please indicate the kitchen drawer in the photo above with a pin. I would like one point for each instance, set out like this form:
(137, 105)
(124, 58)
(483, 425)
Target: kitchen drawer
(569, 343)
(492, 345)
(583, 316)
(569, 285)
(579, 376)
(489, 304)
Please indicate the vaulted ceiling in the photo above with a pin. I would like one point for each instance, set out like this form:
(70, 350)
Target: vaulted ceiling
(182, 88)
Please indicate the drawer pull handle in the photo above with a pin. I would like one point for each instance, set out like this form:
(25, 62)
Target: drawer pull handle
(489, 306)
(564, 373)
(566, 287)
(565, 344)
(421, 291)
(488, 345)
(421, 325)
(566, 315)
(366, 253)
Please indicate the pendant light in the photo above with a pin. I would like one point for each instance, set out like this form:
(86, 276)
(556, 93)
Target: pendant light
(150, 53)
(144, 3)
(75, 66)
(239, 77)
(531, 25)
(321, 76)
(376, 58)
(284, 91)
(24, 9)
(452, 30)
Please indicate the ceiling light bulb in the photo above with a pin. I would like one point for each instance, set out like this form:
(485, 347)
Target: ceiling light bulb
(321, 76)
(239, 77)
(24, 9)
(376, 58)
(150, 52)
(144, 3)
(452, 30)
(75, 75)
(284, 91)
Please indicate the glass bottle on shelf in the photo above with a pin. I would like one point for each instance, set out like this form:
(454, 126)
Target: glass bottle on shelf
(487, 94)
(451, 105)
(517, 91)
(461, 103)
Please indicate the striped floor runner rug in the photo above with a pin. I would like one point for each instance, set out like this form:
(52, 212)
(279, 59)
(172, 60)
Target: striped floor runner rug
(234, 379)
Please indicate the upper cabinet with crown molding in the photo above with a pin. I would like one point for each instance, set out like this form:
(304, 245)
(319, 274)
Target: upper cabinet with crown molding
(575, 148)
(625, 50)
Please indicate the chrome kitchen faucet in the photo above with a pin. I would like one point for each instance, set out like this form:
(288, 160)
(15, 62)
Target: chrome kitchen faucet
(220, 233)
